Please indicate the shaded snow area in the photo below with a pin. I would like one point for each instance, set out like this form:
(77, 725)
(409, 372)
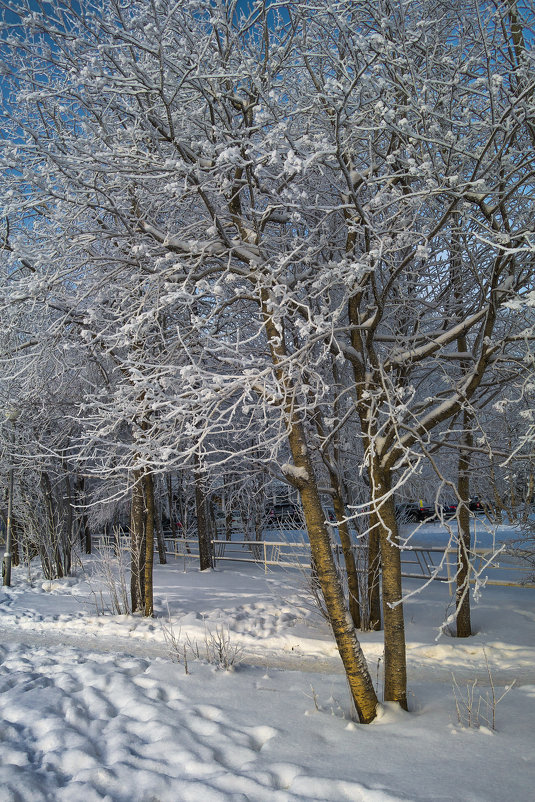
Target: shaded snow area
(95, 708)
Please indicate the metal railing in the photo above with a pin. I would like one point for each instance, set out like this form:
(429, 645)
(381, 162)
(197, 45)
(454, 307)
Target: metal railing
(418, 562)
(432, 563)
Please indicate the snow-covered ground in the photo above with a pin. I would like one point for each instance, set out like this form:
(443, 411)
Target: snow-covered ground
(95, 708)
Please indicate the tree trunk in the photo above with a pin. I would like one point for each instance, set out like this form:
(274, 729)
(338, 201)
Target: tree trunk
(395, 671)
(7, 561)
(15, 536)
(170, 505)
(203, 532)
(159, 532)
(349, 559)
(228, 523)
(258, 520)
(148, 484)
(137, 544)
(67, 526)
(358, 676)
(52, 562)
(462, 595)
(374, 575)
(85, 532)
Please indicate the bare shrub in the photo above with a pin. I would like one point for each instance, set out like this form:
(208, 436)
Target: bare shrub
(176, 649)
(476, 707)
(109, 578)
(218, 649)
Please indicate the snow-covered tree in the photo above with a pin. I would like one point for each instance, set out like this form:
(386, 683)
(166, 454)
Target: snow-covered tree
(229, 200)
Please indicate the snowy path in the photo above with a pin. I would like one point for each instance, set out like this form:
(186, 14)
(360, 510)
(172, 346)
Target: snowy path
(130, 648)
(420, 668)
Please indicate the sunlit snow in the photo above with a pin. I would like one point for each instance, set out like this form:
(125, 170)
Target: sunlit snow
(95, 708)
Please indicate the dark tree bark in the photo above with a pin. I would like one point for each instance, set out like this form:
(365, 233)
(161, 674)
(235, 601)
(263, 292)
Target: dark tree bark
(395, 671)
(85, 532)
(374, 575)
(349, 560)
(137, 544)
(51, 556)
(203, 530)
(148, 485)
(67, 518)
(228, 524)
(159, 532)
(462, 596)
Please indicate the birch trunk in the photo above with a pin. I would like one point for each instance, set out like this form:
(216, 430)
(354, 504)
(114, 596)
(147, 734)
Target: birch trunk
(356, 669)
(358, 676)
(395, 685)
